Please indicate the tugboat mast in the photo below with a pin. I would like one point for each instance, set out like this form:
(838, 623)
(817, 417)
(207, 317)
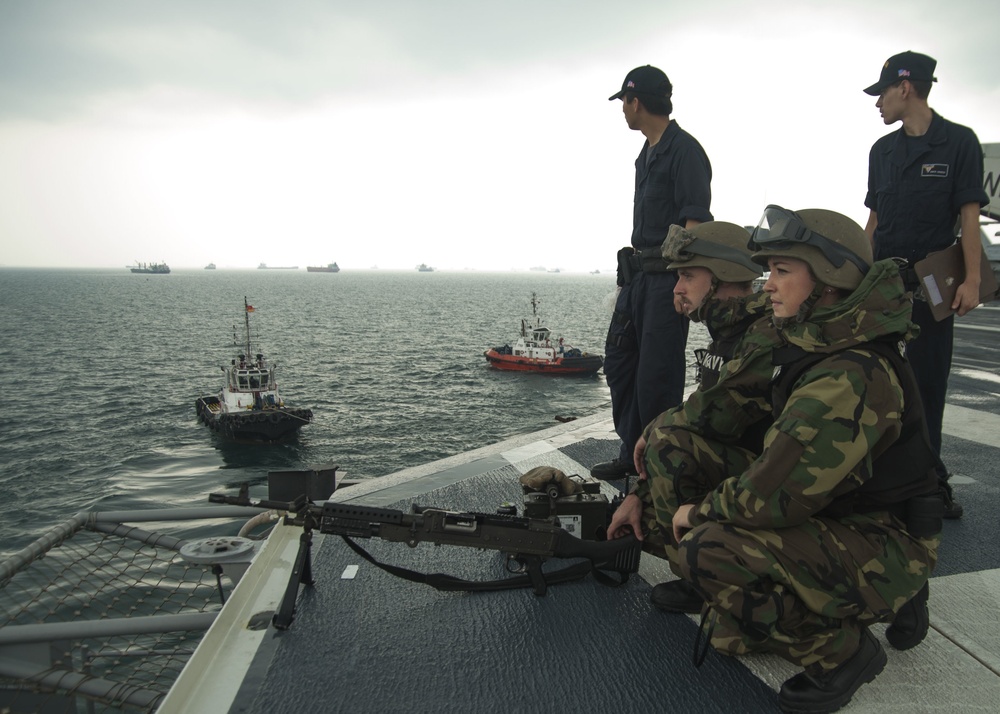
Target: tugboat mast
(247, 309)
(534, 314)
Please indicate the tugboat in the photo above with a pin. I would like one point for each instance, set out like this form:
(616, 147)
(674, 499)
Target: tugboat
(248, 407)
(534, 351)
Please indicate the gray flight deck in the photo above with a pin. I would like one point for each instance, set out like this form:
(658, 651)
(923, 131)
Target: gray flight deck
(375, 643)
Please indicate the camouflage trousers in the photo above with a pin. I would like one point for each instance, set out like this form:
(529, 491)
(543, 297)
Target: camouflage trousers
(802, 592)
(682, 468)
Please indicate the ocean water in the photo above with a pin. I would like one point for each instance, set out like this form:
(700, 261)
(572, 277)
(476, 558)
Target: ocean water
(102, 369)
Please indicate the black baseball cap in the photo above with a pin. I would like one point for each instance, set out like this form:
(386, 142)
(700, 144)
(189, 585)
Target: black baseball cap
(645, 80)
(906, 65)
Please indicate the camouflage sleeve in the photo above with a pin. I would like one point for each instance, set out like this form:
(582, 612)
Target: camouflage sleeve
(723, 412)
(820, 447)
(739, 399)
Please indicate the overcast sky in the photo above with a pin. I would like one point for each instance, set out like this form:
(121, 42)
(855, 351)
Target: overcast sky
(457, 133)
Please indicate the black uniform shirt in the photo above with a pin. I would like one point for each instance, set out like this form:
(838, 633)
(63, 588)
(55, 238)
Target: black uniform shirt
(916, 186)
(672, 185)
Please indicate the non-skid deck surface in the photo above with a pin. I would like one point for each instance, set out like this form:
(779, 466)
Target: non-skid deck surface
(376, 643)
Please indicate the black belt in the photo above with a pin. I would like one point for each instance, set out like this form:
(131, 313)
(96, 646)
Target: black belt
(911, 281)
(648, 260)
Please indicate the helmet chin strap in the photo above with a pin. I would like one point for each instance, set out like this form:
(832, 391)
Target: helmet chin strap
(698, 314)
(807, 307)
(809, 304)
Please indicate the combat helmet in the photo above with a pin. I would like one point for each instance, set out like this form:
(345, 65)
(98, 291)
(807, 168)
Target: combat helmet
(835, 248)
(716, 245)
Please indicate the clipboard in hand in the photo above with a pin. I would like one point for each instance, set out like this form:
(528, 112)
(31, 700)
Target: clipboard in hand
(942, 272)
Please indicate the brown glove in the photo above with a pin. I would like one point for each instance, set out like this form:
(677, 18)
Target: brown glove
(541, 477)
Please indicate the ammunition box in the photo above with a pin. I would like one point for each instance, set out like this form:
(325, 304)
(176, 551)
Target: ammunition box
(314, 484)
(584, 515)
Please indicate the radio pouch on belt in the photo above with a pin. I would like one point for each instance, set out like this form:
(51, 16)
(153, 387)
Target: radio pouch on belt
(625, 269)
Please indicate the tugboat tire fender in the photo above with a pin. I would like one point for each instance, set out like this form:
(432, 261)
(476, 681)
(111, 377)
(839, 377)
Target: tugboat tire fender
(274, 418)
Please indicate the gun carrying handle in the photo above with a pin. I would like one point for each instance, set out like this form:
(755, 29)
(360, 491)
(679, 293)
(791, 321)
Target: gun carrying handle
(460, 523)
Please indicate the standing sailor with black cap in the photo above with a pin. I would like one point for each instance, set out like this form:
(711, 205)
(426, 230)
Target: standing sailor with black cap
(645, 352)
(922, 180)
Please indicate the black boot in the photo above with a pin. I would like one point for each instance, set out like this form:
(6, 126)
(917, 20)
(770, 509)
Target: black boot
(952, 508)
(828, 691)
(677, 596)
(909, 627)
(613, 470)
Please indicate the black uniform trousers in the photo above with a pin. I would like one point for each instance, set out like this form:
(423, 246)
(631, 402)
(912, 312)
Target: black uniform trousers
(930, 356)
(644, 361)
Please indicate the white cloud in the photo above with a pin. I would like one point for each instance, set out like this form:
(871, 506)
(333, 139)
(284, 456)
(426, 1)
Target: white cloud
(445, 133)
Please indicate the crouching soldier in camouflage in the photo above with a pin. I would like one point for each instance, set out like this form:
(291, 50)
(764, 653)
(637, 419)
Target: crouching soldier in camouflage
(834, 526)
(715, 275)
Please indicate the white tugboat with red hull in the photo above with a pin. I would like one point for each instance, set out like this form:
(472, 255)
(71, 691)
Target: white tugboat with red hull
(249, 407)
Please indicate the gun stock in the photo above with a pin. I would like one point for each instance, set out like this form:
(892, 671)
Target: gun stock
(620, 555)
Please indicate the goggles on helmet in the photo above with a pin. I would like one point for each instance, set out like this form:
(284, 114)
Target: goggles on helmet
(780, 226)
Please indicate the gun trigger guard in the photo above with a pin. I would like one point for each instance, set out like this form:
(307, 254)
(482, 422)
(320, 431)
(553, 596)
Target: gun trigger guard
(515, 565)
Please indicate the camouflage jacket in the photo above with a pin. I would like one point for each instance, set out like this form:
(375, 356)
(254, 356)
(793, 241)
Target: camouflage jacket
(727, 321)
(741, 397)
(840, 414)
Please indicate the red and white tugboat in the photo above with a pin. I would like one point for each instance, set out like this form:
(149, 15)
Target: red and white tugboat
(248, 407)
(534, 351)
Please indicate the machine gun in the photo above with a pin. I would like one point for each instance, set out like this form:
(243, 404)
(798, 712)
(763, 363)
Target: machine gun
(527, 543)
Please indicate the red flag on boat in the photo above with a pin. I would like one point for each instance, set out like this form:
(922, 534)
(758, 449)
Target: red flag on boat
(249, 308)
